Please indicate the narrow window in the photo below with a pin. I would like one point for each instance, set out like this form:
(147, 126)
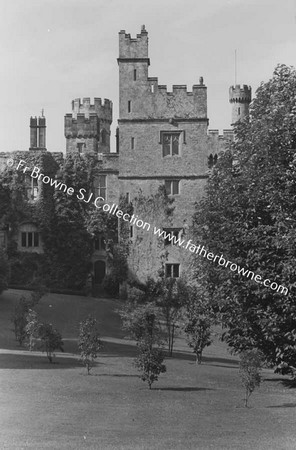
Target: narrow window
(238, 111)
(175, 187)
(101, 186)
(129, 106)
(131, 231)
(24, 239)
(168, 186)
(30, 239)
(34, 189)
(135, 74)
(36, 239)
(152, 88)
(127, 196)
(132, 143)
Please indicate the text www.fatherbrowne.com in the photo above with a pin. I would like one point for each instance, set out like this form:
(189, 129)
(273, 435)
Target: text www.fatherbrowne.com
(201, 251)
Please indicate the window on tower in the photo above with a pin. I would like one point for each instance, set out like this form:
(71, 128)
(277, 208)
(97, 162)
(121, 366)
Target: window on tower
(171, 143)
(129, 106)
(135, 74)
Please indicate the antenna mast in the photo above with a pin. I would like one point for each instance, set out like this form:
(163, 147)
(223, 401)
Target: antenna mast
(235, 68)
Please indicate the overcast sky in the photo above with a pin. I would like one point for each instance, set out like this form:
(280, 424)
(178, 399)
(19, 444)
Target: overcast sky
(53, 51)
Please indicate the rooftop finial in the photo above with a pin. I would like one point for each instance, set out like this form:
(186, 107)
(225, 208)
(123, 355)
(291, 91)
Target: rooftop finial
(42, 112)
(143, 29)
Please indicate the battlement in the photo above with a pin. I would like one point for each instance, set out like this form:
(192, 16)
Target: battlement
(103, 110)
(133, 48)
(82, 125)
(177, 89)
(240, 94)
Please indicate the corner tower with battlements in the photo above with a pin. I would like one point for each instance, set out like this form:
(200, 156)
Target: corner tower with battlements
(240, 98)
(87, 127)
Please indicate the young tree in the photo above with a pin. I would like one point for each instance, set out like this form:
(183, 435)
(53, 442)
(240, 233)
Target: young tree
(199, 321)
(249, 370)
(248, 217)
(89, 342)
(143, 325)
(32, 327)
(172, 295)
(51, 340)
(150, 363)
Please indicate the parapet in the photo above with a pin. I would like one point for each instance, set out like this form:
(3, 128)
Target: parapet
(226, 134)
(240, 93)
(133, 48)
(82, 125)
(84, 106)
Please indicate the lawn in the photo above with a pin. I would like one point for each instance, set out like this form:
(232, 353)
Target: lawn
(57, 406)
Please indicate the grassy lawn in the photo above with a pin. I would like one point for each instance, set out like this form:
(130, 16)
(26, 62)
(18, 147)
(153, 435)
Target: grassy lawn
(57, 406)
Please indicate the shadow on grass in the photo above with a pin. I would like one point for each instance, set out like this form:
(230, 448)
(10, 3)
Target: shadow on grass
(29, 361)
(118, 349)
(119, 375)
(224, 362)
(284, 405)
(184, 389)
(286, 383)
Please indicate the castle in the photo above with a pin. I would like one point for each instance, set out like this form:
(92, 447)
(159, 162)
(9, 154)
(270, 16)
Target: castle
(162, 139)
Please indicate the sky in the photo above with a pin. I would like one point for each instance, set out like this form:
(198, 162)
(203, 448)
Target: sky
(53, 51)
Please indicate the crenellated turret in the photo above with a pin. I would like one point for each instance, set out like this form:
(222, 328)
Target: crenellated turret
(240, 97)
(87, 128)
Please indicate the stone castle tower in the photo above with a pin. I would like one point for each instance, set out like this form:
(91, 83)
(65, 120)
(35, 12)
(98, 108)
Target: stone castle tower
(240, 98)
(87, 127)
(163, 141)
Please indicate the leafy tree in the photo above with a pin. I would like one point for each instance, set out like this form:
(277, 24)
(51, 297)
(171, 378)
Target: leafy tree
(23, 313)
(143, 325)
(51, 340)
(171, 295)
(89, 342)
(249, 370)
(198, 322)
(248, 214)
(150, 363)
